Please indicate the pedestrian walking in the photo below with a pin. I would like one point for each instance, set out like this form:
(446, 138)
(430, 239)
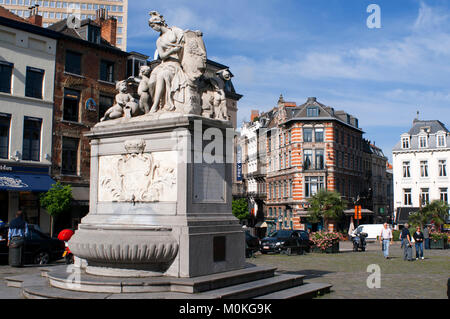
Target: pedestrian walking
(418, 238)
(386, 239)
(407, 246)
(426, 236)
(18, 230)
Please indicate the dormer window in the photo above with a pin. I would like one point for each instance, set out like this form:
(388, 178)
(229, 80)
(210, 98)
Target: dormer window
(405, 143)
(423, 141)
(94, 34)
(312, 111)
(441, 142)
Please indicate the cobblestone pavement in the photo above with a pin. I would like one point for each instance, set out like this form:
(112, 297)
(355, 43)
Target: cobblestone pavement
(347, 272)
(7, 271)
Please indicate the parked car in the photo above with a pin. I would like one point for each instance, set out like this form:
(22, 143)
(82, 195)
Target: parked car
(288, 241)
(251, 244)
(372, 231)
(305, 242)
(39, 248)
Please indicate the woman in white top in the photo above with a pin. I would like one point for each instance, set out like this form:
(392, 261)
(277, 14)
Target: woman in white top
(386, 239)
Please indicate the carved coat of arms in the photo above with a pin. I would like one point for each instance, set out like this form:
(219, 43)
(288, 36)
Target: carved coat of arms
(136, 176)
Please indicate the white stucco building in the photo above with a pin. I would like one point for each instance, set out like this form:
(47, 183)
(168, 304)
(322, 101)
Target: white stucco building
(421, 172)
(27, 63)
(249, 138)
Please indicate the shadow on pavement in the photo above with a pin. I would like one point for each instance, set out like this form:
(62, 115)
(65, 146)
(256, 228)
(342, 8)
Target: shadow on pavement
(309, 273)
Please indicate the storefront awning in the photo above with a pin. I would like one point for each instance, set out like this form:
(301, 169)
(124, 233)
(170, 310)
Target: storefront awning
(403, 214)
(25, 182)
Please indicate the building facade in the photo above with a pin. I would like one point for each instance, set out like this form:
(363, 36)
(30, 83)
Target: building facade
(377, 193)
(55, 11)
(27, 75)
(421, 174)
(86, 71)
(254, 167)
(310, 147)
(307, 148)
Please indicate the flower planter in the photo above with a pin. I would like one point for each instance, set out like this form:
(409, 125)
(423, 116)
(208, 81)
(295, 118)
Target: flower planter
(330, 250)
(333, 249)
(439, 244)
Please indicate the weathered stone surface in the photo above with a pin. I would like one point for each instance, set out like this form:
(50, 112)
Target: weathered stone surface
(152, 210)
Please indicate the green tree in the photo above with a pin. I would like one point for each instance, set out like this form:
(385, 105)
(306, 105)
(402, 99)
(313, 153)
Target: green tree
(326, 205)
(240, 208)
(56, 201)
(436, 212)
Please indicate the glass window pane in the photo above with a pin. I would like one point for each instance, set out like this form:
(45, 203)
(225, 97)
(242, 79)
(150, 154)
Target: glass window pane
(5, 122)
(73, 62)
(307, 134)
(31, 139)
(5, 77)
(69, 156)
(71, 105)
(34, 82)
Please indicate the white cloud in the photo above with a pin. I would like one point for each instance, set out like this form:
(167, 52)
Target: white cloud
(431, 18)
(395, 76)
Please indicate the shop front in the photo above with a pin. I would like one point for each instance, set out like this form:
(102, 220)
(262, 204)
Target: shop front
(20, 187)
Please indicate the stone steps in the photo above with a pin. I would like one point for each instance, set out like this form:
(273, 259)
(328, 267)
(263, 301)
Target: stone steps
(58, 278)
(261, 283)
(257, 288)
(305, 291)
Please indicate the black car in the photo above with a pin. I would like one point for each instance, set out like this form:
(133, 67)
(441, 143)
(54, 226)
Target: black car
(251, 245)
(287, 241)
(38, 249)
(305, 242)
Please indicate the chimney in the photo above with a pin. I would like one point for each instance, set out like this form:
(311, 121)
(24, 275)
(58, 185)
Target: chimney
(108, 26)
(255, 114)
(35, 18)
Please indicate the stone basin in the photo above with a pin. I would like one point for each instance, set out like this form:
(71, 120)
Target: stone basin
(125, 250)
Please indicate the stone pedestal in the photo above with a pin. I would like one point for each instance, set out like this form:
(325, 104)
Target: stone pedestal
(160, 205)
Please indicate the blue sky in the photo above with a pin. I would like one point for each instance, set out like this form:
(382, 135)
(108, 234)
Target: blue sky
(323, 48)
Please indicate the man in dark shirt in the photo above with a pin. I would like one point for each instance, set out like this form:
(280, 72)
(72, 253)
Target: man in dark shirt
(426, 236)
(418, 238)
(407, 247)
(18, 230)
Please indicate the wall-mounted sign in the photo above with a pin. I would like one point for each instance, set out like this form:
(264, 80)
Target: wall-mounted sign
(91, 105)
(5, 168)
(239, 164)
(239, 172)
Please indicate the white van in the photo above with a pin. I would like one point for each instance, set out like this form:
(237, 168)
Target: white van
(372, 230)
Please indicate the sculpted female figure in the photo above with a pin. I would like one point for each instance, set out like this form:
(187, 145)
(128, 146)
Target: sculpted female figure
(167, 81)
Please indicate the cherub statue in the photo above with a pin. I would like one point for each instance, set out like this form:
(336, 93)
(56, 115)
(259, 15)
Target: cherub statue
(125, 103)
(144, 89)
(219, 84)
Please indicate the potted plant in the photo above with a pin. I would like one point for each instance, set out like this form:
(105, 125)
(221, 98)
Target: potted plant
(438, 240)
(326, 242)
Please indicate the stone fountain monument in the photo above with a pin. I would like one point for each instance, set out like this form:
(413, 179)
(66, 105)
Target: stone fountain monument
(160, 223)
(157, 207)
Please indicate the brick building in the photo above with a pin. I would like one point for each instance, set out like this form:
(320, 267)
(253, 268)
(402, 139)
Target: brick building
(308, 147)
(87, 66)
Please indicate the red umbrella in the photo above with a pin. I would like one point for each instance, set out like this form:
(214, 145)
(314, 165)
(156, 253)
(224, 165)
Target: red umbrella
(65, 234)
